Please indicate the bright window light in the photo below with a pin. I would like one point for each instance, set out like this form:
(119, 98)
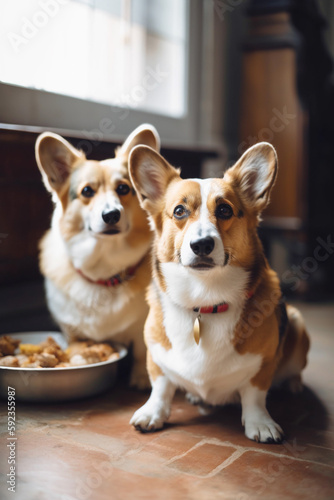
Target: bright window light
(128, 53)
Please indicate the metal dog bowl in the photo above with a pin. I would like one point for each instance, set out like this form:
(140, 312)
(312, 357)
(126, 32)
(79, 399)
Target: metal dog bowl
(58, 384)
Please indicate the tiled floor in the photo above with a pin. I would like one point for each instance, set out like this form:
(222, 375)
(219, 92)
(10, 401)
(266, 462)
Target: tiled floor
(87, 450)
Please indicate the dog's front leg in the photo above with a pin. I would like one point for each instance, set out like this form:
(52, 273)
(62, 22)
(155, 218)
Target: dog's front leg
(259, 426)
(139, 376)
(156, 410)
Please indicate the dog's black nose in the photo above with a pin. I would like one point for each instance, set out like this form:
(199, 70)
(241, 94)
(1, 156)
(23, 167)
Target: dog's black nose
(203, 246)
(111, 216)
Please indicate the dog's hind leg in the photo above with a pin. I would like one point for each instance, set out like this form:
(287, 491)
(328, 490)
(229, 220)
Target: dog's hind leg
(295, 349)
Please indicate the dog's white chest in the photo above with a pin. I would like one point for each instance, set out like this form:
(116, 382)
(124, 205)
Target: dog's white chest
(96, 312)
(213, 369)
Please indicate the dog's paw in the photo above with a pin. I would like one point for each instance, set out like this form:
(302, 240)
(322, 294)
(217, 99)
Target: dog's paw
(203, 408)
(264, 430)
(193, 399)
(149, 418)
(139, 377)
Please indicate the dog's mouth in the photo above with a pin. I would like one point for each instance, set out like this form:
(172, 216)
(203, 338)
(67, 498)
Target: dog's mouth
(202, 264)
(111, 231)
(107, 232)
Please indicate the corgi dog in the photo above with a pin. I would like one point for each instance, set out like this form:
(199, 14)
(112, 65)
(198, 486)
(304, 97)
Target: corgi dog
(95, 257)
(217, 325)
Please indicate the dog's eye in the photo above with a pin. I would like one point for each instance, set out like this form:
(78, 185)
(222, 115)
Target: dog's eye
(122, 189)
(224, 211)
(88, 192)
(179, 212)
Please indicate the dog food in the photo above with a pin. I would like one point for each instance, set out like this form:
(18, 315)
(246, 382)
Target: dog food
(48, 354)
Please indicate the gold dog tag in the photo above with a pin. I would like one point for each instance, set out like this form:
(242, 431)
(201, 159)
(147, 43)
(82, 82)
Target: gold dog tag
(197, 329)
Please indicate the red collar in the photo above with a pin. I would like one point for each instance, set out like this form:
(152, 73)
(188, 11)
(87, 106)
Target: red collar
(218, 308)
(115, 280)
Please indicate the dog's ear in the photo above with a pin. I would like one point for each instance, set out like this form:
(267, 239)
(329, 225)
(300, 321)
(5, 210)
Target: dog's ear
(55, 158)
(145, 134)
(150, 174)
(254, 175)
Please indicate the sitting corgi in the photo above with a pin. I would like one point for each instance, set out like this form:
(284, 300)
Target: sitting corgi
(95, 258)
(217, 325)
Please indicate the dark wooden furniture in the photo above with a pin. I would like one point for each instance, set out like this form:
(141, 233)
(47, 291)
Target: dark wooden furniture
(288, 100)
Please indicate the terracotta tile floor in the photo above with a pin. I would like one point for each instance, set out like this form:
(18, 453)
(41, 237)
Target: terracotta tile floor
(87, 450)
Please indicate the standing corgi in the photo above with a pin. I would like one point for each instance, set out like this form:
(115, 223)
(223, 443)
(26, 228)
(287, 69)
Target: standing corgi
(217, 325)
(95, 258)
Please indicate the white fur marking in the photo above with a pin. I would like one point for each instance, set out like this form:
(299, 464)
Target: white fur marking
(202, 228)
(213, 370)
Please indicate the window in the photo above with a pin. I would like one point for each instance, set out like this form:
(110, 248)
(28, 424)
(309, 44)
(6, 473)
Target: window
(102, 67)
(129, 53)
